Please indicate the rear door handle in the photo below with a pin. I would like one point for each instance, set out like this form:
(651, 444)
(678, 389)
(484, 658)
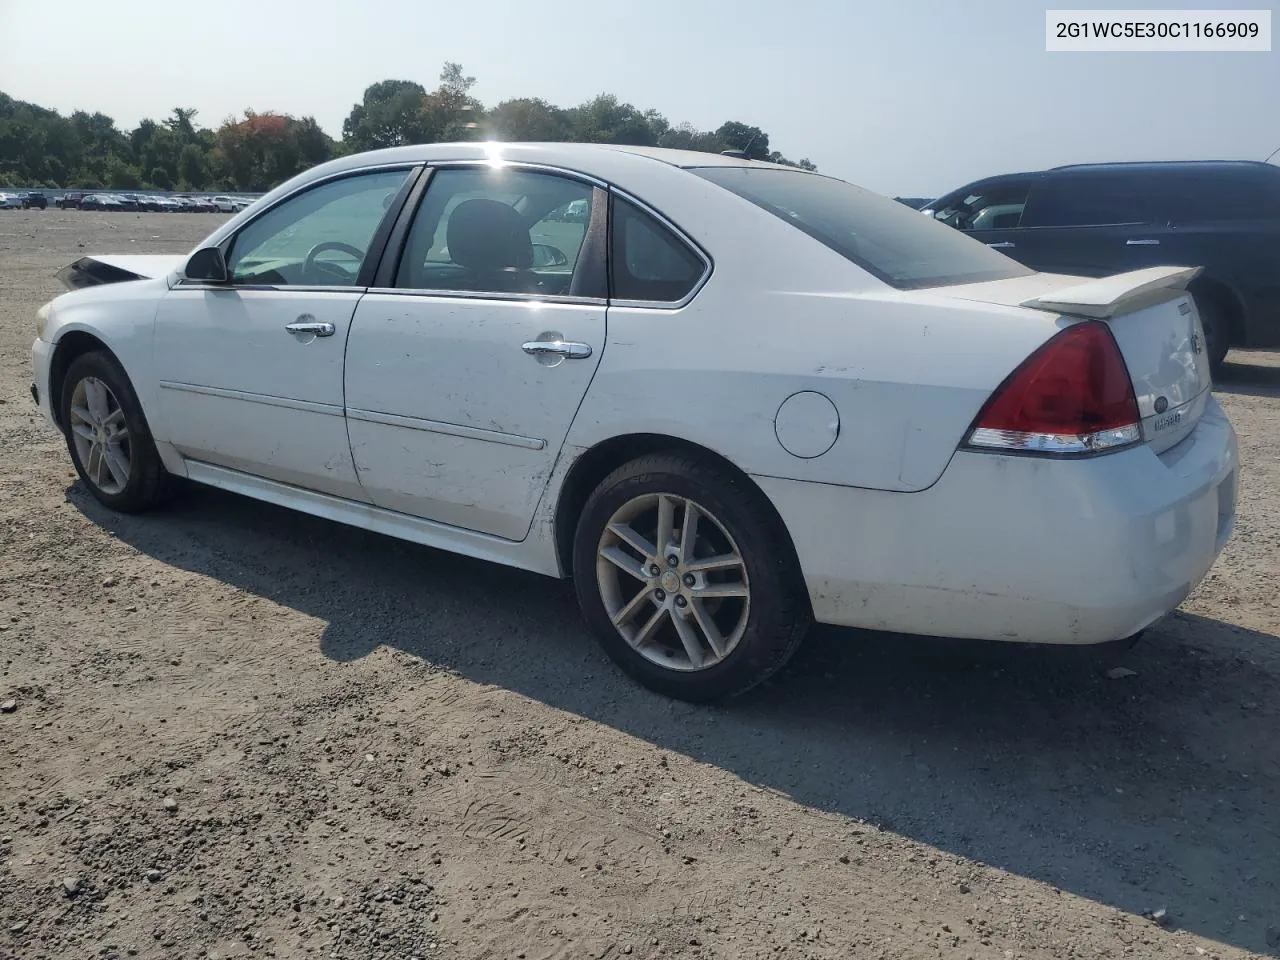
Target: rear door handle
(1002, 245)
(557, 348)
(1142, 243)
(308, 324)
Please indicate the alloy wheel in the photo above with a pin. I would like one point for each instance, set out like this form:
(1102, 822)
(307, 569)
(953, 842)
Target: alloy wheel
(673, 582)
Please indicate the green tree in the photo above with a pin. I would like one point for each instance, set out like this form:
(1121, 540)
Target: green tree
(528, 119)
(265, 149)
(193, 167)
(389, 115)
(605, 119)
(753, 141)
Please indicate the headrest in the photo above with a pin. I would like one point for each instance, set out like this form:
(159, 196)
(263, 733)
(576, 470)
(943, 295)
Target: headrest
(488, 235)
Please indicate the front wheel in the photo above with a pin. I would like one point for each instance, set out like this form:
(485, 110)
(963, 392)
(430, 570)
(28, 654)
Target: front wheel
(108, 437)
(687, 578)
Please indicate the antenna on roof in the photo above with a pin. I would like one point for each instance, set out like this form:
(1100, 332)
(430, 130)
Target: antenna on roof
(1271, 154)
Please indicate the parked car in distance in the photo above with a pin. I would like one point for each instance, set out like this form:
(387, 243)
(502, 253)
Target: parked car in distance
(166, 205)
(223, 204)
(196, 204)
(941, 441)
(69, 201)
(11, 201)
(34, 198)
(1094, 220)
(101, 201)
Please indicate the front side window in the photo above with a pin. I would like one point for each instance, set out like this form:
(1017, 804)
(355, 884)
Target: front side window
(892, 242)
(991, 206)
(317, 238)
(500, 231)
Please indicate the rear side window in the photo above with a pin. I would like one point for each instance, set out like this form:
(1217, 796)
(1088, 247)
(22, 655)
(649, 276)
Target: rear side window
(646, 260)
(1227, 195)
(894, 243)
(1092, 201)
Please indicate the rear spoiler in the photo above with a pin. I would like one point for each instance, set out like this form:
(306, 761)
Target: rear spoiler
(1114, 295)
(90, 271)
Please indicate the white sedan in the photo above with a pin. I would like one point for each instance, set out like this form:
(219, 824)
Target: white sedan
(729, 400)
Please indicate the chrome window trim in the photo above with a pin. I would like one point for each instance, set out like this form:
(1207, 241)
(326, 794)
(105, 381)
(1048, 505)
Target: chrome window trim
(688, 241)
(565, 299)
(522, 165)
(184, 284)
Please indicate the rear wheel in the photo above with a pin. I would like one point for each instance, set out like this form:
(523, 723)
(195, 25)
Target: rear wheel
(108, 437)
(1213, 320)
(687, 579)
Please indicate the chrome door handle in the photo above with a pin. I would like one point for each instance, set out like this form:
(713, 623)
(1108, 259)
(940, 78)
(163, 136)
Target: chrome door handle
(557, 348)
(1003, 245)
(1142, 243)
(308, 324)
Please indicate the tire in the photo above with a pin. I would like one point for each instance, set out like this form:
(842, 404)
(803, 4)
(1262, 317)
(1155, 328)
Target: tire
(1213, 320)
(757, 632)
(145, 484)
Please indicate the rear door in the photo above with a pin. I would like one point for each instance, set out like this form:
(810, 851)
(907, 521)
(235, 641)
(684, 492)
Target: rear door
(467, 362)
(1095, 223)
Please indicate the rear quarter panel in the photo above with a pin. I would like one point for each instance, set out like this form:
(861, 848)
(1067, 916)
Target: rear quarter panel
(782, 313)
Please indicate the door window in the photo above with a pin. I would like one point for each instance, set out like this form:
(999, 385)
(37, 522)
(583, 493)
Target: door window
(1223, 195)
(1091, 201)
(499, 231)
(991, 206)
(317, 238)
(647, 261)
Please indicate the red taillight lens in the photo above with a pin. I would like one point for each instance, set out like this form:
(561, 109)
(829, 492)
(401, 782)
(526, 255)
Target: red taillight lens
(1072, 396)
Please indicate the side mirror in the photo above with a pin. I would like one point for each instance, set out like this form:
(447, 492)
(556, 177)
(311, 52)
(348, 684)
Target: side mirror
(207, 265)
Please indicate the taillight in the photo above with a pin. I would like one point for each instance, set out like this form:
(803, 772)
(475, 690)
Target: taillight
(1073, 396)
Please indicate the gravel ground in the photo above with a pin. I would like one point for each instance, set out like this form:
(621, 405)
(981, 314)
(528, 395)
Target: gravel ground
(233, 731)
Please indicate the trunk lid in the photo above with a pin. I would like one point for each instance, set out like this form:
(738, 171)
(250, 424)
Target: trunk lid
(1155, 323)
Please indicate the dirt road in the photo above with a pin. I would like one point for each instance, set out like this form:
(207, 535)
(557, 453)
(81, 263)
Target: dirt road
(242, 732)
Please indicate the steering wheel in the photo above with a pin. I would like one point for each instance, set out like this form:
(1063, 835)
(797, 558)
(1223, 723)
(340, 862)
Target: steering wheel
(311, 263)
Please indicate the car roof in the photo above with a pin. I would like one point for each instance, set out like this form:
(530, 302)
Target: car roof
(1139, 166)
(597, 159)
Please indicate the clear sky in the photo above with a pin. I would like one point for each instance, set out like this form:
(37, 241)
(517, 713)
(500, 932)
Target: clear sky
(909, 97)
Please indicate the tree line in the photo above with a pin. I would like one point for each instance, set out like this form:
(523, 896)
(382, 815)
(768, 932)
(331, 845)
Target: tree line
(254, 152)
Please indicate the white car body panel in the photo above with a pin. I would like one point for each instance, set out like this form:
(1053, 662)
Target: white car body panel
(459, 439)
(1015, 548)
(449, 418)
(234, 388)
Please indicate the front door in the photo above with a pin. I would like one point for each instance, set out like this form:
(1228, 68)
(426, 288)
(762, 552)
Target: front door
(463, 377)
(250, 372)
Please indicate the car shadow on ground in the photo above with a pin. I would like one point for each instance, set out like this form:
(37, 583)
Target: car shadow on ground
(1155, 789)
(1246, 378)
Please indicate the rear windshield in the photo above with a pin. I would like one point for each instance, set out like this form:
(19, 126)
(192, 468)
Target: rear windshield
(900, 246)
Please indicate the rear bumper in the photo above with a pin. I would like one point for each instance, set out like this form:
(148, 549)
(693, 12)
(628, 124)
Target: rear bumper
(1020, 548)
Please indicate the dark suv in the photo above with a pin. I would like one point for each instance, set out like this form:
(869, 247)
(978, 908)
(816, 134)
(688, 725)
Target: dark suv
(35, 199)
(1098, 219)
